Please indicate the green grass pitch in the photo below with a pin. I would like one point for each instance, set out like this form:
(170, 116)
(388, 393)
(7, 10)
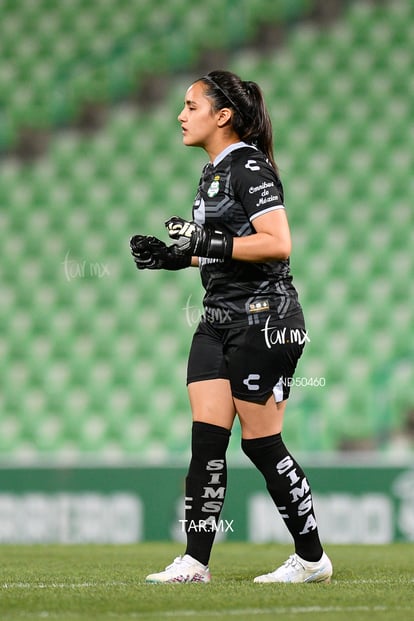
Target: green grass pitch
(91, 582)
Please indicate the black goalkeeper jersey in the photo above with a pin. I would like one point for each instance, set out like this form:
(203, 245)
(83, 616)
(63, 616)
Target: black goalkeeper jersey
(237, 188)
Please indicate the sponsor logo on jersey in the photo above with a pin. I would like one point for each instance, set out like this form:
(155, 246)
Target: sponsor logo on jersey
(214, 187)
(259, 306)
(252, 165)
(260, 188)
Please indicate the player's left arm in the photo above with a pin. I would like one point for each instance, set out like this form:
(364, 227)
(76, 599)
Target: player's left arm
(271, 240)
(260, 191)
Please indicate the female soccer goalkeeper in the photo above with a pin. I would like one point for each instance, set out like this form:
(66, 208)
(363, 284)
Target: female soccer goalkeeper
(246, 347)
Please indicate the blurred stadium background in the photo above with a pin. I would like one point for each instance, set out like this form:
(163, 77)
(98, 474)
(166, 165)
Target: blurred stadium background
(93, 353)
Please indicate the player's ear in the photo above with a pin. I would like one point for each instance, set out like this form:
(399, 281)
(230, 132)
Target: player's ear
(224, 117)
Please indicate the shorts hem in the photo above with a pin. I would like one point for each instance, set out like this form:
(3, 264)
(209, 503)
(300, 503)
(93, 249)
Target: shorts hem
(260, 398)
(205, 377)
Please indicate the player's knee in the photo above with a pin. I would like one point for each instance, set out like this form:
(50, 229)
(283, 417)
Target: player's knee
(254, 448)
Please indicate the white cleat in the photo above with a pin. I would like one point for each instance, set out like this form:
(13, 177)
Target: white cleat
(182, 569)
(295, 569)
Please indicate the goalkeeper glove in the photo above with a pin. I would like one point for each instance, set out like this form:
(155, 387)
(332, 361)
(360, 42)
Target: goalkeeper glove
(192, 239)
(152, 254)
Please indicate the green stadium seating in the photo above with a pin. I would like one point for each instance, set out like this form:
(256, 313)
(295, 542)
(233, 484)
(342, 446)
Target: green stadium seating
(93, 353)
(58, 57)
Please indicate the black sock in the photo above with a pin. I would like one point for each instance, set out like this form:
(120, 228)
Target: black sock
(290, 491)
(205, 488)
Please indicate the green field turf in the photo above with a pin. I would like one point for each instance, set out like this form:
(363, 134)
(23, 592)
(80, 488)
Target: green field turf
(73, 583)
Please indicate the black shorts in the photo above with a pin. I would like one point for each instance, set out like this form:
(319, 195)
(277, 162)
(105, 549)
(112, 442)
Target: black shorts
(258, 360)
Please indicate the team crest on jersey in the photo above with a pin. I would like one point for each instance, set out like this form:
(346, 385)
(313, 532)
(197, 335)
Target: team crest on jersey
(214, 187)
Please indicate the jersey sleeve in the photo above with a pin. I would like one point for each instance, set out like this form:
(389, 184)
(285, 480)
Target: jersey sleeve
(256, 185)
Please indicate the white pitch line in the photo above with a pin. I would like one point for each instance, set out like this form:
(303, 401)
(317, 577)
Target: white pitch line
(232, 612)
(383, 581)
(93, 585)
(62, 585)
(235, 612)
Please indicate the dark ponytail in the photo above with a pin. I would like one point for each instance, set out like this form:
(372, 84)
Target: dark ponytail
(251, 120)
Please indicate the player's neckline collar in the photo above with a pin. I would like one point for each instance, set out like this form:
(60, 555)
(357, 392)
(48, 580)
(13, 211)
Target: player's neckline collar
(232, 147)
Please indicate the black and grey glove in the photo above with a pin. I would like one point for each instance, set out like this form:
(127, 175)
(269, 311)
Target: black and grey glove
(150, 253)
(192, 239)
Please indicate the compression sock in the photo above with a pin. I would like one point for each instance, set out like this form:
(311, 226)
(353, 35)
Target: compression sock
(205, 488)
(290, 491)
